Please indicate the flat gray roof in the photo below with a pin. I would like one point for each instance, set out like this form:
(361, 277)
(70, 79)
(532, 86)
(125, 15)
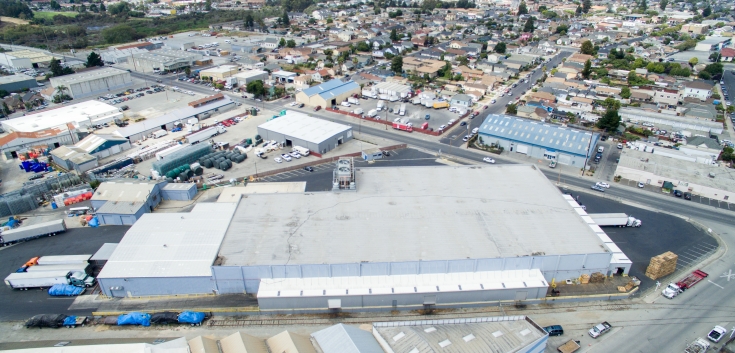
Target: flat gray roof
(482, 334)
(303, 127)
(15, 78)
(411, 214)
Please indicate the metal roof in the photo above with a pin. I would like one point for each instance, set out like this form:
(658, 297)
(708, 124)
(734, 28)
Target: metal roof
(234, 194)
(121, 207)
(536, 133)
(470, 335)
(93, 141)
(84, 113)
(15, 78)
(494, 209)
(288, 342)
(171, 244)
(90, 75)
(677, 122)
(239, 342)
(124, 191)
(176, 115)
(331, 88)
(103, 254)
(341, 338)
(303, 127)
(179, 186)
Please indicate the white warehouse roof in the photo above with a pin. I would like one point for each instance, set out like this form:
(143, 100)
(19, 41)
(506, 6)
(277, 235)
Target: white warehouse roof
(171, 244)
(80, 114)
(303, 127)
(86, 76)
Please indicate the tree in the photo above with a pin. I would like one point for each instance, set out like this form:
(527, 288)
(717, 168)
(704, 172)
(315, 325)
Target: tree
(662, 4)
(282, 43)
(396, 65)
(462, 60)
(187, 71)
(707, 11)
(587, 48)
(54, 5)
(256, 88)
(291, 43)
(363, 46)
(579, 10)
(499, 48)
(285, 21)
(715, 57)
(119, 34)
(529, 26)
(511, 109)
(693, 61)
(610, 121)
(643, 5)
(587, 69)
(611, 104)
(586, 6)
(522, 8)
(394, 35)
(208, 5)
(625, 92)
(55, 67)
(102, 7)
(6, 109)
(93, 59)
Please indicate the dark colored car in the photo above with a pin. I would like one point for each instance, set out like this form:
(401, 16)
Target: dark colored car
(687, 196)
(678, 193)
(35, 176)
(555, 330)
(463, 123)
(309, 169)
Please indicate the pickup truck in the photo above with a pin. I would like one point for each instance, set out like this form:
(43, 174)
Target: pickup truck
(698, 346)
(599, 329)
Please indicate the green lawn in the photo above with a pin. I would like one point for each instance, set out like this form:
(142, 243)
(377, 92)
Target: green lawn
(50, 15)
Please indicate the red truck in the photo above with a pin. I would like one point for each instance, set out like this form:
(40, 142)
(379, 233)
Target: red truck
(673, 289)
(404, 127)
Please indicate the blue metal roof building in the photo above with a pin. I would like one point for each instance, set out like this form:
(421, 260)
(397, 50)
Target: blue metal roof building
(536, 139)
(328, 93)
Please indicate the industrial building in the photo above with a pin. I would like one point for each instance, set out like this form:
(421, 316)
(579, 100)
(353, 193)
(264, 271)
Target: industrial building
(380, 241)
(25, 59)
(99, 81)
(299, 129)
(164, 60)
(137, 131)
(179, 191)
(54, 127)
(245, 77)
(328, 93)
(220, 72)
(74, 158)
(677, 123)
(535, 139)
(103, 145)
(123, 202)
(17, 83)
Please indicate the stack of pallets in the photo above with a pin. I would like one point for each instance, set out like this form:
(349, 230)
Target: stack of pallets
(597, 277)
(584, 279)
(662, 265)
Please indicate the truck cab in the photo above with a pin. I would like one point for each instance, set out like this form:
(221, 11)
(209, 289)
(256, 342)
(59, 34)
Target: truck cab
(671, 291)
(80, 279)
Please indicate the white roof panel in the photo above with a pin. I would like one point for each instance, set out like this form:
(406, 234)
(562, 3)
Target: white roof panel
(304, 127)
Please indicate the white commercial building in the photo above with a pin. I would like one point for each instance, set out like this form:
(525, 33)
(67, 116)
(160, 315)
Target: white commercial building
(100, 81)
(80, 115)
(246, 77)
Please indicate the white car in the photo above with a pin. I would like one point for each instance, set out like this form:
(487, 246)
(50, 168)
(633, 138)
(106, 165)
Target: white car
(278, 160)
(295, 155)
(603, 184)
(293, 104)
(620, 146)
(493, 101)
(717, 333)
(442, 127)
(286, 157)
(451, 121)
(489, 160)
(466, 138)
(641, 185)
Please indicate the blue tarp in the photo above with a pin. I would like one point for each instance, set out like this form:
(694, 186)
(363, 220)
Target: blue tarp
(65, 290)
(134, 318)
(70, 321)
(94, 223)
(191, 317)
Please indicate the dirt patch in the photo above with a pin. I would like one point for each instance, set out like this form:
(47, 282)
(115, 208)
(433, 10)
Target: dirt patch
(12, 20)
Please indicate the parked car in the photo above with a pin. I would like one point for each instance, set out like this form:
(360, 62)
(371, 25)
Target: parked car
(603, 184)
(318, 107)
(598, 188)
(295, 155)
(687, 196)
(309, 169)
(286, 157)
(466, 138)
(554, 330)
(641, 185)
(489, 160)
(463, 123)
(678, 193)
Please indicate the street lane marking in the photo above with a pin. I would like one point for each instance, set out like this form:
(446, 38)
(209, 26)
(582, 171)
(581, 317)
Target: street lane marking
(729, 275)
(721, 287)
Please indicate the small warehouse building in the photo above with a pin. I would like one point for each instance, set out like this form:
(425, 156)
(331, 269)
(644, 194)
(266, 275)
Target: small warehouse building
(95, 82)
(74, 158)
(372, 154)
(298, 129)
(123, 202)
(328, 93)
(220, 72)
(164, 60)
(536, 139)
(245, 77)
(17, 83)
(179, 191)
(103, 145)
(26, 59)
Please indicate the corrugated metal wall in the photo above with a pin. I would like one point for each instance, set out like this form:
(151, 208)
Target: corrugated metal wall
(142, 287)
(235, 279)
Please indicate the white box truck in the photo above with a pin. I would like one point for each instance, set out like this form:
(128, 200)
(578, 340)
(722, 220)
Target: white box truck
(358, 111)
(45, 279)
(205, 134)
(402, 111)
(160, 133)
(301, 150)
(615, 220)
(381, 105)
(353, 100)
(24, 233)
(372, 113)
(369, 93)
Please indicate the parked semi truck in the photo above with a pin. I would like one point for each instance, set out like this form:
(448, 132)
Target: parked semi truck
(24, 233)
(674, 289)
(205, 134)
(44, 279)
(404, 127)
(615, 220)
(698, 346)
(599, 329)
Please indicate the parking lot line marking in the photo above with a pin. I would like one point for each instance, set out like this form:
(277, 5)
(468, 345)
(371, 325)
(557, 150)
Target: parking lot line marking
(721, 287)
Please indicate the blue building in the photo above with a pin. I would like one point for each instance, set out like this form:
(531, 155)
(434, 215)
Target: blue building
(536, 139)
(328, 93)
(124, 201)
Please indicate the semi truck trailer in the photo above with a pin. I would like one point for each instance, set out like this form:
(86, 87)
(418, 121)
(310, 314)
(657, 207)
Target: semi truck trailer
(205, 134)
(615, 220)
(674, 289)
(24, 233)
(44, 279)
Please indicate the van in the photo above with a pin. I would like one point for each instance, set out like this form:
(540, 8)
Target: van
(227, 41)
(600, 149)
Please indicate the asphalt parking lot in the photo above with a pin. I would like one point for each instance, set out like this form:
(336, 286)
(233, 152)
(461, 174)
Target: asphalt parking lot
(658, 234)
(20, 305)
(321, 178)
(416, 114)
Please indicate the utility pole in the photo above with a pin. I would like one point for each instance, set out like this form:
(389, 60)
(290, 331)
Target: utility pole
(587, 154)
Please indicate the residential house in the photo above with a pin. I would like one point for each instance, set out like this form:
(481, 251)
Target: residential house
(461, 101)
(727, 54)
(667, 97)
(697, 89)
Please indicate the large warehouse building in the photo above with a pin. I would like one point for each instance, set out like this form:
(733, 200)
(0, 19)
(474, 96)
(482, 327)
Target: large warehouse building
(328, 93)
(17, 83)
(535, 139)
(299, 129)
(96, 82)
(403, 239)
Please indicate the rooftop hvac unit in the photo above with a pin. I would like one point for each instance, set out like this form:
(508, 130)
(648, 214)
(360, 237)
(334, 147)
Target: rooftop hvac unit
(343, 172)
(343, 163)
